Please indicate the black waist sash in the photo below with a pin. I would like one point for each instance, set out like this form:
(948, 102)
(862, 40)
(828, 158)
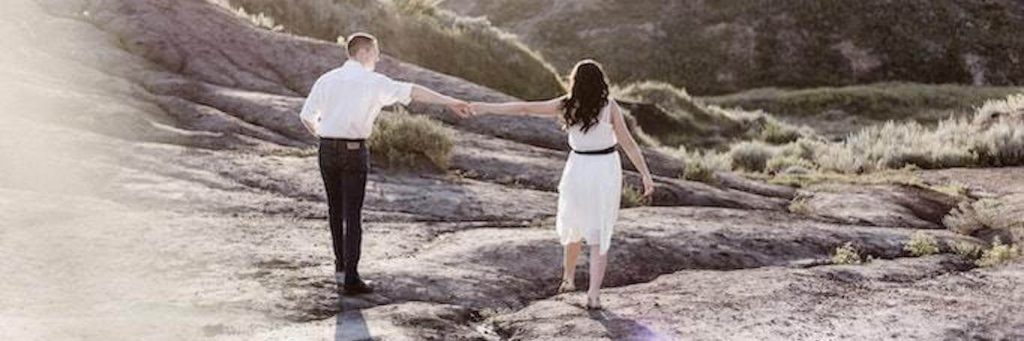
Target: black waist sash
(608, 150)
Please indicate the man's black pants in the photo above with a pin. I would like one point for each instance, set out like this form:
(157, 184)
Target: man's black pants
(343, 166)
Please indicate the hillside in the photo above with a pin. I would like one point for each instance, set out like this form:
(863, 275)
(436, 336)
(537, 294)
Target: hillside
(418, 32)
(157, 184)
(716, 47)
(838, 111)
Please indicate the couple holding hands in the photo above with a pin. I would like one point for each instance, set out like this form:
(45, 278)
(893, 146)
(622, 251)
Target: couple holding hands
(344, 103)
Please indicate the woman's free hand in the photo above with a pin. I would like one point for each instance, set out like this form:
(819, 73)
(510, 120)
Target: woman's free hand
(648, 186)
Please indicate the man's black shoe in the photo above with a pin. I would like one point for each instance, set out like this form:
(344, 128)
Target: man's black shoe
(357, 288)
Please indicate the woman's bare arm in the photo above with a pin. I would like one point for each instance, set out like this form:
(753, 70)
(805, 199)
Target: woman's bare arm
(552, 107)
(630, 147)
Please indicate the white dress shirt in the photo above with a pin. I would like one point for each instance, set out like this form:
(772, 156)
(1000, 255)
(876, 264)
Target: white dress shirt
(345, 101)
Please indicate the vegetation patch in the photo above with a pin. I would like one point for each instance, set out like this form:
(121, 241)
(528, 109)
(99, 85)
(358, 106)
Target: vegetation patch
(701, 166)
(993, 137)
(966, 250)
(403, 141)
(970, 217)
(877, 102)
(418, 32)
(846, 255)
(750, 156)
(922, 244)
(672, 117)
(800, 205)
(998, 254)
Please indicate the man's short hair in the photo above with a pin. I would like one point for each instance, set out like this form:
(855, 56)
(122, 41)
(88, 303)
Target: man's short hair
(359, 41)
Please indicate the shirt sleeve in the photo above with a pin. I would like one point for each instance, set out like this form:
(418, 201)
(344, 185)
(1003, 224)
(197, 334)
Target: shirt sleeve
(311, 109)
(395, 91)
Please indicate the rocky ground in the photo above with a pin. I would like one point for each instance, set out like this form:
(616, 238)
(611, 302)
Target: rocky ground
(157, 184)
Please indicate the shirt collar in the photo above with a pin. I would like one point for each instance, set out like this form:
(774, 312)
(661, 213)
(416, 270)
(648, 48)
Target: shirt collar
(354, 64)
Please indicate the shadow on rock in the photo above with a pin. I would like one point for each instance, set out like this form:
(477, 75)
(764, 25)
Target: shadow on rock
(621, 328)
(350, 325)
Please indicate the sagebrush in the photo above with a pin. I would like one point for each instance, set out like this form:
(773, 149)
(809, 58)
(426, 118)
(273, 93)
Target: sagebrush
(404, 141)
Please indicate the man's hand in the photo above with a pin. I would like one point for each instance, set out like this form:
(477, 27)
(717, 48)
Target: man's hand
(462, 109)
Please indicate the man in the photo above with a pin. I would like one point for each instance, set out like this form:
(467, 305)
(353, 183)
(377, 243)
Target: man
(340, 110)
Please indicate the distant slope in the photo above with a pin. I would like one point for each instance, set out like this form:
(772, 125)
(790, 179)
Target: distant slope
(838, 111)
(417, 32)
(714, 47)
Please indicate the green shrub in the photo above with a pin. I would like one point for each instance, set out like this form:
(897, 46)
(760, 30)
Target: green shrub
(1002, 145)
(776, 132)
(922, 244)
(751, 156)
(700, 172)
(970, 217)
(799, 205)
(413, 142)
(1001, 141)
(846, 255)
(1001, 111)
(966, 250)
(783, 164)
(805, 148)
(998, 254)
(701, 166)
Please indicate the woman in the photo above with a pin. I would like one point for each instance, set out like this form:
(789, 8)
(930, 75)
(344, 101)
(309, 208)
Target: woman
(591, 184)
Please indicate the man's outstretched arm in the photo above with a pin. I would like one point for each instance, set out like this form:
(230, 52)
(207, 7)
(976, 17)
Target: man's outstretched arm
(425, 95)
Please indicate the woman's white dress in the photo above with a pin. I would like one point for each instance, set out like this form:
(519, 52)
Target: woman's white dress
(591, 186)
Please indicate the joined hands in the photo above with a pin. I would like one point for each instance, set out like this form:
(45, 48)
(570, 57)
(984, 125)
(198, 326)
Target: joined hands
(462, 108)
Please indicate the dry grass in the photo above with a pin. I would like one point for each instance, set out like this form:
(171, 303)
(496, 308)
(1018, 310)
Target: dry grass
(994, 136)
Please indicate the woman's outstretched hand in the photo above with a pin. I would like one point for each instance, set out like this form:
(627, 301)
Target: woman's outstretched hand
(477, 107)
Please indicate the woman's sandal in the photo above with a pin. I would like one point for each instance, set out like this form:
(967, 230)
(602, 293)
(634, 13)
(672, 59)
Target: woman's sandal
(593, 304)
(567, 286)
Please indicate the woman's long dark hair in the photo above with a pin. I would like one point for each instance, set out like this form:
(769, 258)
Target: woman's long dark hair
(587, 96)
